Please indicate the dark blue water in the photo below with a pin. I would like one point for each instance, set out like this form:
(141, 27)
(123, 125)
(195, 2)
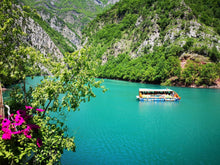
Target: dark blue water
(115, 128)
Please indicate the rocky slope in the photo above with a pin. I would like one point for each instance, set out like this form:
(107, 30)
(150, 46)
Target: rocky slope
(69, 17)
(161, 29)
(147, 32)
(38, 38)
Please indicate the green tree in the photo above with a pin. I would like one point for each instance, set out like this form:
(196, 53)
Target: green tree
(214, 54)
(190, 73)
(70, 82)
(209, 73)
(10, 38)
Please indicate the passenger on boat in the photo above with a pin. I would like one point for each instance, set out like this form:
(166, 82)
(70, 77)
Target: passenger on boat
(140, 95)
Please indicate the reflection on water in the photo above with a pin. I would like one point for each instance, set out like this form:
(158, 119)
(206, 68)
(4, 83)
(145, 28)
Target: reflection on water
(164, 103)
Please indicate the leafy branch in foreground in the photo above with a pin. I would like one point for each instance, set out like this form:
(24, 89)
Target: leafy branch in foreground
(71, 82)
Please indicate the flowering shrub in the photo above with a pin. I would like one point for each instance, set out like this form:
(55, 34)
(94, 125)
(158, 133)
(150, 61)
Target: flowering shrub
(20, 131)
(21, 118)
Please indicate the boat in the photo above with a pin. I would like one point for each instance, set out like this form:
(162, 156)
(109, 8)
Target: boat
(146, 94)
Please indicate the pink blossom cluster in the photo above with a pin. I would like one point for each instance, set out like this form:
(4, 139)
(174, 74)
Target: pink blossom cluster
(9, 128)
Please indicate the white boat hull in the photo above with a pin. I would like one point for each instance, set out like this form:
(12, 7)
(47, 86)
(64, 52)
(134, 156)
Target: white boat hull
(157, 99)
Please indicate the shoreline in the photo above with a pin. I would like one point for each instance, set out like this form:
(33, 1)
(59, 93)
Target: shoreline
(217, 86)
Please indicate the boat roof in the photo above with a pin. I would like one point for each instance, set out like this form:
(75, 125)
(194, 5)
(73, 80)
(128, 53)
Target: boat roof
(154, 90)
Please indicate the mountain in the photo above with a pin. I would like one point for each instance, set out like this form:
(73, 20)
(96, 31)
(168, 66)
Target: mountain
(169, 42)
(51, 27)
(21, 40)
(66, 18)
(153, 41)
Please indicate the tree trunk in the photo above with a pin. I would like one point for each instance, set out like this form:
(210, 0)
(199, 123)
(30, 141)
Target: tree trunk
(2, 112)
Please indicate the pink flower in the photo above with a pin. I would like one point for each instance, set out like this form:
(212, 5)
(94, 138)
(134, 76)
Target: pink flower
(7, 134)
(19, 120)
(11, 115)
(27, 132)
(6, 123)
(40, 110)
(21, 113)
(28, 107)
(17, 132)
(39, 142)
(4, 129)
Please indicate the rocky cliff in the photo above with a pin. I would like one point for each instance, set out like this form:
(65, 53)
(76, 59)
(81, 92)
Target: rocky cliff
(38, 38)
(69, 17)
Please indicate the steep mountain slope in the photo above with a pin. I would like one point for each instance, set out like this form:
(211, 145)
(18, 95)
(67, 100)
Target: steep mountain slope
(38, 38)
(21, 40)
(68, 17)
(145, 40)
(23, 29)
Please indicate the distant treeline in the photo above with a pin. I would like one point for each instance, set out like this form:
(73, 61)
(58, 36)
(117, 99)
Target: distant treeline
(159, 67)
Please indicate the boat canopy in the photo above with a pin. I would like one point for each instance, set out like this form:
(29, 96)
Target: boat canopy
(155, 90)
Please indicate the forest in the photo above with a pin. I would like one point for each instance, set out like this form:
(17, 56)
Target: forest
(207, 12)
(159, 67)
(159, 63)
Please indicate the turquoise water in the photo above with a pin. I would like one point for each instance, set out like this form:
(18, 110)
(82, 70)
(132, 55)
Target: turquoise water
(114, 128)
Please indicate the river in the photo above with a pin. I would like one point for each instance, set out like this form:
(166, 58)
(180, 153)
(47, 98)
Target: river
(115, 128)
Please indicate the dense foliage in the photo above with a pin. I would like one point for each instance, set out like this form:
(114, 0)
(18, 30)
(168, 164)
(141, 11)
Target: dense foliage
(195, 73)
(144, 41)
(159, 67)
(39, 136)
(208, 12)
(154, 67)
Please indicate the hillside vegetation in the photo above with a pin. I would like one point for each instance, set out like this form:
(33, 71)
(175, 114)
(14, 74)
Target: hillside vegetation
(169, 42)
(63, 20)
(86, 9)
(207, 12)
